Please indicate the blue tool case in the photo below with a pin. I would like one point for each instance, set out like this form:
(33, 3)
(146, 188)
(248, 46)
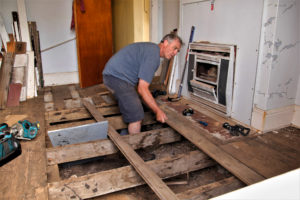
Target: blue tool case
(10, 147)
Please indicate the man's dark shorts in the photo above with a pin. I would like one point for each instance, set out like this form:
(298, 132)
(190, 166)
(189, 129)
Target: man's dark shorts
(129, 102)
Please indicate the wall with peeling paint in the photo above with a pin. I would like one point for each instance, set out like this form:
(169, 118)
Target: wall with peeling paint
(278, 65)
(298, 88)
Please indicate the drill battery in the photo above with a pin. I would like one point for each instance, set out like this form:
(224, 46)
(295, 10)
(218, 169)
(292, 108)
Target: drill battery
(10, 147)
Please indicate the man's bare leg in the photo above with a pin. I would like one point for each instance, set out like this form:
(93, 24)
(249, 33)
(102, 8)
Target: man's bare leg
(134, 127)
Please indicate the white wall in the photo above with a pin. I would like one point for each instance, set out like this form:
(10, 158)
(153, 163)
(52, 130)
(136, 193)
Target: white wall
(53, 18)
(235, 22)
(170, 15)
(278, 67)
(297, 101)
(156, 21)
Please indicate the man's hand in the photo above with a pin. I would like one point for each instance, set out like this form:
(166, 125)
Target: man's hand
(161, 116)
(143, 90)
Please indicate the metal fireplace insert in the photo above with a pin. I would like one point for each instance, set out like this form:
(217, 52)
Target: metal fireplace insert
(211, 74)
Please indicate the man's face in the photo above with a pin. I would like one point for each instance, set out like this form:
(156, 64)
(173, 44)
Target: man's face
(171, 49)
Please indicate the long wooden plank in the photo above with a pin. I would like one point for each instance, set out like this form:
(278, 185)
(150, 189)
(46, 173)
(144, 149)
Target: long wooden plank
(30, 81)
(5, 74)
(3, 34)
(150, 177)
(109, 181)
(97, 148)
(37, 51)
(25, 37)
(193, 133)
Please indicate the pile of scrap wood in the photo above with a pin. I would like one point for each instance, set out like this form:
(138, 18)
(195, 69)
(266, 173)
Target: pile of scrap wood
(21, 66)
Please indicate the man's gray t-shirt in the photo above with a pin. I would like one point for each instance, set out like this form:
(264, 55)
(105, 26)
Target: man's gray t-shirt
(133, 62)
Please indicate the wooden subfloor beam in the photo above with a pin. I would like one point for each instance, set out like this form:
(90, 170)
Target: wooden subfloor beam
(115, 121)
(73, 152)
(150, 177)
(77, 113)
(113, 180)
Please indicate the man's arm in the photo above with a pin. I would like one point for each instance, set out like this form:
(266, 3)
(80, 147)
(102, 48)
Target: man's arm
(143, 90)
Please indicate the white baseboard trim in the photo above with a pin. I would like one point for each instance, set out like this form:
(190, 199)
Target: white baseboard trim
(272, 119)
(296, 117)
(62, 78)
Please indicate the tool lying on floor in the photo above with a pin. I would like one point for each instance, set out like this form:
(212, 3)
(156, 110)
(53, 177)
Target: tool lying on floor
(4, 128)
(203, 123)
(237, 129)
(188, 112)
(25, 130)
(10, 148)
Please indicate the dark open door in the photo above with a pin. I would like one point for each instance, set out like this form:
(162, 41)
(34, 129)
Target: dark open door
(94, 39)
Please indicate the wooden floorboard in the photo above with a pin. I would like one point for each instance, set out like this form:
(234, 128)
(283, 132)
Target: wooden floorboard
(194, 134)
(285, 138)
(265, 155)
(25, 176)
(258, 156)
(280, 144)
(5, 74)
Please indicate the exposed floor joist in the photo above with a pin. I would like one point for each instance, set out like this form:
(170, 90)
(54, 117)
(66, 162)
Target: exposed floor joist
(150, 177)
(125, 177)
(115, 121)
(74, 152)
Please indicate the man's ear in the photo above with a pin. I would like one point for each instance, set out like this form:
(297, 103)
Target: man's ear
(166, 42)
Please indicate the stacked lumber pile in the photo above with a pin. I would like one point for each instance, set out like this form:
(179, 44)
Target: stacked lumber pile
(21, 71)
